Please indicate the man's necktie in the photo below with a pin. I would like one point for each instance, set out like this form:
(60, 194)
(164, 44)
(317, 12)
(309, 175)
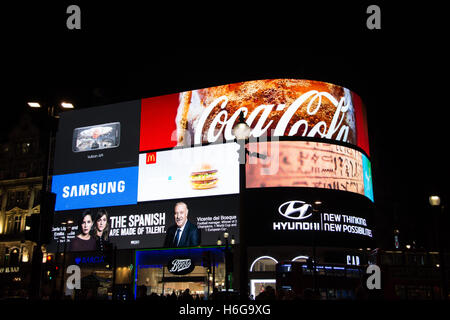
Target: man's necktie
(177, 238)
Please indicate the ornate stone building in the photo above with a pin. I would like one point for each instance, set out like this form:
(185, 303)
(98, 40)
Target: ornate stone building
(21, 166)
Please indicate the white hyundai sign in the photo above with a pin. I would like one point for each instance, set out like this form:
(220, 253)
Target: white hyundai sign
(324, 221)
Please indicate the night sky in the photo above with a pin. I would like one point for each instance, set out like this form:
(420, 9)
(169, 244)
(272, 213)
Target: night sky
(126, 52)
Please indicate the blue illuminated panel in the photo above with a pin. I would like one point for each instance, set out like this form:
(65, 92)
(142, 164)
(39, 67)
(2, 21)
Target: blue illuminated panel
(113, 187)
(367, 176)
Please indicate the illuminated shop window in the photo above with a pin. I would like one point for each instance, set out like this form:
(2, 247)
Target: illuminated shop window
(263, 263)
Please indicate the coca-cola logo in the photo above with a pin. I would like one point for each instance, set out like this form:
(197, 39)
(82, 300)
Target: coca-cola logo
(295, 210)
(222, 124)
(180, 266)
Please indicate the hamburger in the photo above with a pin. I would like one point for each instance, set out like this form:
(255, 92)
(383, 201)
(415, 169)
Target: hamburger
(204, 177)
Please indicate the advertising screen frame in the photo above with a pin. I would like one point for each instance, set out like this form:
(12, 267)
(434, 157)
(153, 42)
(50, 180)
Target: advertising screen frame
(130, 137)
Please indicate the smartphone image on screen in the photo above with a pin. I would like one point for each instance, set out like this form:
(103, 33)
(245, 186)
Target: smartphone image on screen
(97, 137)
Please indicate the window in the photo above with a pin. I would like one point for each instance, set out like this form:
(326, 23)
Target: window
(37, 197)
(17, 199)
(10, 224)
(17, 221)
(264, 263)
(386, 259)
(14, 257)
(398, 259)
(25, 147)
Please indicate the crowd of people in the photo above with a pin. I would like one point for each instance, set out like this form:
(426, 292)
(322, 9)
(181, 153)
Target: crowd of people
(269, 293)
(185, 295)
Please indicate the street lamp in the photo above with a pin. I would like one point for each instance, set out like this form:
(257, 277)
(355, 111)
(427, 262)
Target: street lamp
(46, 198)
(67, 105)
(316, 207)
(435, 202)
(52, 118)
(241, 131)
(34, 104)
(228, 258)
(68, 228)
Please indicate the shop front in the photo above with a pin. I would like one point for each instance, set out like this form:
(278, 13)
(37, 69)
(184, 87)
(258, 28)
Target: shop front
(165, 272)
(289, 270)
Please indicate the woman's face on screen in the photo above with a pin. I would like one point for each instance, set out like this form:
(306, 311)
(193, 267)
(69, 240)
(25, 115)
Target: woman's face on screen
(86, 225)
(101, 223)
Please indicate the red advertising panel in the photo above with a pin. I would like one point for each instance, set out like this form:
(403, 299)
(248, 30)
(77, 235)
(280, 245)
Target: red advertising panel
(274, 107)
(158, 122)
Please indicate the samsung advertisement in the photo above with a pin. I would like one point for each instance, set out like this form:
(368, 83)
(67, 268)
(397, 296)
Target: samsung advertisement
(163, 172)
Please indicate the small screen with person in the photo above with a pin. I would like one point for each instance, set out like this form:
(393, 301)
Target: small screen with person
(183, 233)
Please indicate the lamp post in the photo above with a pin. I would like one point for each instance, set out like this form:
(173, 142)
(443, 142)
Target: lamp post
(316, 207)
(228, 259)
(241, 131)
(68, 228)
(435, 202)
(51, 121)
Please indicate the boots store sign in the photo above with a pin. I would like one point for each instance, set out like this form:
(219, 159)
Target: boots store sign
(180, 266)
(300, 216)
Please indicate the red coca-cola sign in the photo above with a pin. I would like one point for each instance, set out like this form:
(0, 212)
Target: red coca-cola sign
(274, 107)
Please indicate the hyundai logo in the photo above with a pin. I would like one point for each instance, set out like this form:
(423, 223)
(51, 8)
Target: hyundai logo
(295, 210)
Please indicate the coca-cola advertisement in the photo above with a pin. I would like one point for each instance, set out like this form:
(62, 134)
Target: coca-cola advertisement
(274, 107)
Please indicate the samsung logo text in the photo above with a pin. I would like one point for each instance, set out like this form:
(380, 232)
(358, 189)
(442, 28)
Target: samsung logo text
(93, 189)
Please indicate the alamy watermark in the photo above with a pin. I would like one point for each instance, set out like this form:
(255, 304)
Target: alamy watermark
(74, 19)
(373, 22)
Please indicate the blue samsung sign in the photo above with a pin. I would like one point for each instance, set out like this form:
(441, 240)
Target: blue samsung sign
(93, 189)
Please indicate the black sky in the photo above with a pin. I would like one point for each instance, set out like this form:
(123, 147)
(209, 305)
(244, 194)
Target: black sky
(126, 52)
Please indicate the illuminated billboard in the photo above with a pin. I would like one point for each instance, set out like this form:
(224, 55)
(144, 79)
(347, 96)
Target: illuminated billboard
(292, 216)
(309, 164)
(96, 139)
(189, 172)
(96, 188)
(274, 107)
(139, 160)
(148, 224)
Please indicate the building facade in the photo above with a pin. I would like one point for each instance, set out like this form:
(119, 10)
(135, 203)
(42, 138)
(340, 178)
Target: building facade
(21, 164)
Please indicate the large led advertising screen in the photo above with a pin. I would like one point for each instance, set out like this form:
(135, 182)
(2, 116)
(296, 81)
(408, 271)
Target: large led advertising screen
(273, 107)
(308, 216)
(189, 172)
(309, 164)
(164, 171)
(149, 224)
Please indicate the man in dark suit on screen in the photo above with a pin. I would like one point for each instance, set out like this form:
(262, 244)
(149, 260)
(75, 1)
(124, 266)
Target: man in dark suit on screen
(183, 233)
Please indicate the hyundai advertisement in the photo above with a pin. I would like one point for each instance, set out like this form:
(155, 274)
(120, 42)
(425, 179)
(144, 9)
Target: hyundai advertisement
(291, 216)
